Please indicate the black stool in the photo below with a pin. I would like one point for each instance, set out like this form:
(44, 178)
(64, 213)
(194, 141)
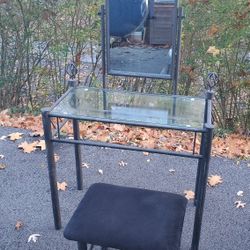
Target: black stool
(127, 218)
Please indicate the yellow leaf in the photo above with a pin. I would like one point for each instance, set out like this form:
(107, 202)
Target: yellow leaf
(213, 50)
(189, 194)
(28, 147)
(214, 180)
(62, 186)
(15, 136)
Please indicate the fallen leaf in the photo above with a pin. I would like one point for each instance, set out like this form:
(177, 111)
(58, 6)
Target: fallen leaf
(1, 156)
(62, 186)
(28, 147)
(41, 144)
(100, 171)
(2, 166)
(19, 225)
(85, 165)
(33, 237)
(240, 204)
(240, 193)
(213, 30)
(172, 171)
(123, 163)
(3, 138)
(214, 180)
(146, 153)
(56, 157)
(212, 50)
(15, 136)
(189, 194)
(37, 133)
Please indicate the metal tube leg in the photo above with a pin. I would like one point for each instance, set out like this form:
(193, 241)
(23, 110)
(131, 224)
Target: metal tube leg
(202, 188)
(199, 171)
(78, 157)
(51, 168)
(82, 245)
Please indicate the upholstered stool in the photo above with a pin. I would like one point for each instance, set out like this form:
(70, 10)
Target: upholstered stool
(128, 218)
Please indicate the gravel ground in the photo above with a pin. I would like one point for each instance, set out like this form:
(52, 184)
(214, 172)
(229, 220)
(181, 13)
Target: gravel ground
(25, 193)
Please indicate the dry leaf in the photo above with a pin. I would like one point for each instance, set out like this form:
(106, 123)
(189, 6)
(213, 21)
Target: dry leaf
(213, 30)
(15, 136)
(212, 50)
(33, 237)
(146, 153)
(19, 225)
(2, 166)
(62, 185)
(240, 193)
(28, 147)
(214, 180)
(85, 165)
(1, 156)
(37, 133)
(56, 157)
(189, 194)
(100, 171)
(240, 204)
(172, 171)
(41, 144)
(123, 163)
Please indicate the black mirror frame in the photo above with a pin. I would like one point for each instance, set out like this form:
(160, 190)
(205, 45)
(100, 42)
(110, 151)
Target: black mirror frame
(175, 43)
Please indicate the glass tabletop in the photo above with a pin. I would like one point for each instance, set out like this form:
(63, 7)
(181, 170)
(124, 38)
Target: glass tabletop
(131, 107)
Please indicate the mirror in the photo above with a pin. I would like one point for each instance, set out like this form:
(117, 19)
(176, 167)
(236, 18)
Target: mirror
(141, 37)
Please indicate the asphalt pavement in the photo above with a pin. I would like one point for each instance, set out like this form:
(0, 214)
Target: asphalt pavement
(25, 193)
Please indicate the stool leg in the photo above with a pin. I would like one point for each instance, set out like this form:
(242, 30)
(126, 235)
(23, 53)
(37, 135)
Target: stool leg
(82, 245)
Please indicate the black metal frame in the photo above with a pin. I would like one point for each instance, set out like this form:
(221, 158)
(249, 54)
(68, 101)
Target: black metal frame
(206, 132)
(203, 157)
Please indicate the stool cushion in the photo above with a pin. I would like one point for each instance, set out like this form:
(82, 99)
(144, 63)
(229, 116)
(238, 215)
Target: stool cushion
(128, 218)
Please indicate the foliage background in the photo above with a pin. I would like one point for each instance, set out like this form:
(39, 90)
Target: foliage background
(39, 37)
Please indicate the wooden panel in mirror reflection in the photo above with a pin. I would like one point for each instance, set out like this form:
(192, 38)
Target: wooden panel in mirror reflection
(159, 28)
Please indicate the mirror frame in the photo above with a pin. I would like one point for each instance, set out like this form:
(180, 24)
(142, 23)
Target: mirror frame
(142, 74)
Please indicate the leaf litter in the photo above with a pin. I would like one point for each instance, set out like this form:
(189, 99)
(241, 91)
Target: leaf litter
(231, 146)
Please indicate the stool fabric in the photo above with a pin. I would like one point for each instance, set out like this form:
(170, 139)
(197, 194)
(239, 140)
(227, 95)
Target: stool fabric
(128, 218)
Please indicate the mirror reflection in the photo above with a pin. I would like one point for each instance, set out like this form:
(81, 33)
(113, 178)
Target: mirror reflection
(141, 37)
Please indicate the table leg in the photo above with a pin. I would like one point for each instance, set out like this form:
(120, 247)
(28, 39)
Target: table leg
(78, 157)
(199, 170)
(51, 168)
(204, 165)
